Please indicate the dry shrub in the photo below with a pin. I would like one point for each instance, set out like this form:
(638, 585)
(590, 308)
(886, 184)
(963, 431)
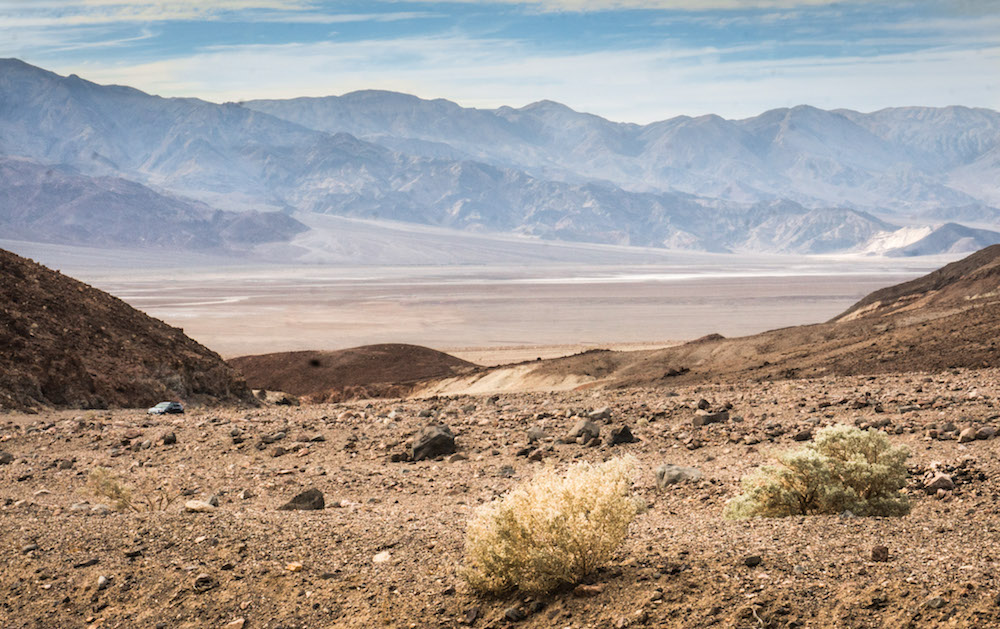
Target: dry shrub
(151, 497)
(844, 469)
(552, 531)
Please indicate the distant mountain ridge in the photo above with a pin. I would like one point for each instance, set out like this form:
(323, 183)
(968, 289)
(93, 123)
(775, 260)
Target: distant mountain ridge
(798, 180)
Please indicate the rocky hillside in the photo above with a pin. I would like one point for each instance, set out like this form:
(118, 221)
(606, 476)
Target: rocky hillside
(944, 320)
(66, 344)
(368, 371)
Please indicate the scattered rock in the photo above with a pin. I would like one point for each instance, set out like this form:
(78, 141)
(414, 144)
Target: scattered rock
(204, 582)
(309, 500)
(239, 623)
(880, 553)
(6, 458)
(382, 557)
(434, 440)
(669, 474)
(967, 435)
(294, 566)
(584, 428)
(936, 602)
(169, 439)
(986, 432)
(703, 417)
(622, 434)
(514, 614)
(802, 435)
(940, 481)
(599, 414)
(28, 548)
(103, 582)
(198, 506)
(752, 561)
(587, 591)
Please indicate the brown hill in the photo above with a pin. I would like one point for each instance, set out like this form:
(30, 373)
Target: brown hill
(367, 371)
(64, 343)
(946, 319)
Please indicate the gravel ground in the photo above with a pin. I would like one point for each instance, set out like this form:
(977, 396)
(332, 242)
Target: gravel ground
(386, 549)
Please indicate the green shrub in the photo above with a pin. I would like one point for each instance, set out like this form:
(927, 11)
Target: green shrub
(844, 469)
(552, 531)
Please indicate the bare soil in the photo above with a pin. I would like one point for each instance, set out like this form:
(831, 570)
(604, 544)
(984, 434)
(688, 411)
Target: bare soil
(683, 564)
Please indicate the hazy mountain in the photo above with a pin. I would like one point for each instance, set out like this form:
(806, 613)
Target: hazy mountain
(115, 163)
(54, 204)
(949, 238)
(899, 160)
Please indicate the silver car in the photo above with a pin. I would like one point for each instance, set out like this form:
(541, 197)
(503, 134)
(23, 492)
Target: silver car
(166, 407)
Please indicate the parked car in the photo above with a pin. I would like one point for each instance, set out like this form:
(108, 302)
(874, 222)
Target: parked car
(166, 407)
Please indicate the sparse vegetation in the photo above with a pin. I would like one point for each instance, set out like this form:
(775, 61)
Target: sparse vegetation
(552, 531)
(106, 484)
(844, 469)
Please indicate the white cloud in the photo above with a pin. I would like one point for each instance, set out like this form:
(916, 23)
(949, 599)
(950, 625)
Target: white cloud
(633, 85)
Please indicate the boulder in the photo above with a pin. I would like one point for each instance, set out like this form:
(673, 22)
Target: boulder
(434, 440)
(669, 474)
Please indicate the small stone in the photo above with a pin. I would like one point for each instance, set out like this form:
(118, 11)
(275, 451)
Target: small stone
(432, 441)
(239, 623)
(587, 591)
(752, 561)
(940, 481)
(169, 439)
(622, 434)
(985, 432)
(6, 458)
(803, 435)
(213, 500)
(669, 474)
(536, 434)
(599, 414)
(309, 500)
(245, 494)
(514, 614)
(584, 428)
(382, 557)
(27, 549)
(198, 506)
(967, 435)
(86, 564)
(880, 553)
(536, 455)
(103, 582)
(458, 456)
(204, 582)
(470, 616)
(294, 566)
(936, 602)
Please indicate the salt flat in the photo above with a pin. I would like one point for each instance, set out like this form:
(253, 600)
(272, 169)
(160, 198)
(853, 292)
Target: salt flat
(489, 310)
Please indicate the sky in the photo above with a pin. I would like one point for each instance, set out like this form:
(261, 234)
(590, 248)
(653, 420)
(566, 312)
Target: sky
(627, 60)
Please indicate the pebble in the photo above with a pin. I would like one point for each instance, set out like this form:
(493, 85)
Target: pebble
(880, 553)
(294, 566)
(239, 623)
(587, 591)
(669, 474)
(198, 506)
(103, 582)
(434, 440)
(936, 602)
(940, 481)
(382, 557)
(514, 614)
(752, 561)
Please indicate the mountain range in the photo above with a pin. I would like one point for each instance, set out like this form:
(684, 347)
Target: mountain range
(113, 166)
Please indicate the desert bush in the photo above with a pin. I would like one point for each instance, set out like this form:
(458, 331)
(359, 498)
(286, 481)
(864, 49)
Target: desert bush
(552, 531)
(844, 469)
(150, 497)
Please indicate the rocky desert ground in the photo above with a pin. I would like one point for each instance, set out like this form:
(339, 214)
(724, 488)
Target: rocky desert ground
(386, 548)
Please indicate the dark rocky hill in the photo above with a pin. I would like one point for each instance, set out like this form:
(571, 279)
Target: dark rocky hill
(66, 344)
(367, 371)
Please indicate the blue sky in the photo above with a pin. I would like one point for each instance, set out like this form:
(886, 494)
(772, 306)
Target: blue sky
(628, 60)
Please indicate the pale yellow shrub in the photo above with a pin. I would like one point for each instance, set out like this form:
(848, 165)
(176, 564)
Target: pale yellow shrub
(106, 484)
(845, 469)
(554, 530)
